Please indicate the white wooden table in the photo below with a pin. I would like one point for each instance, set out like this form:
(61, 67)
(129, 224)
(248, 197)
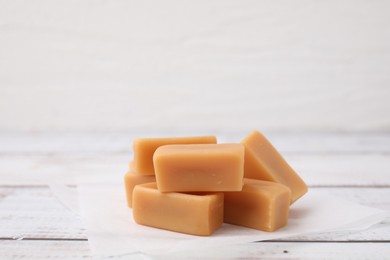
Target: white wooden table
(34, 224)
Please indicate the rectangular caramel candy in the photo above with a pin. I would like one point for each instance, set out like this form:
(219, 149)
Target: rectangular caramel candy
(263, 162)
(199, 167)
(132, 179)
(144, 149)
(186, 213)
(260, 205)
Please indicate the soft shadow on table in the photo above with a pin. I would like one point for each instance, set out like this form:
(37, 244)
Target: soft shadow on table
(297, 213)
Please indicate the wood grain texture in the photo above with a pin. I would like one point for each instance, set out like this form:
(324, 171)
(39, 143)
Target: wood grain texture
(292, 250)
(329, 169)
(121, 142)
(321, 159)
(43, 249)
(34, 224)
(29, 212)
(33, 212)
(264, 250)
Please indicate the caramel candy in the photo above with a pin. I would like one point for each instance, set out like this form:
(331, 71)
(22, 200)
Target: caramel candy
(144, 149)
(260, 205)
(132, 179)
(195, 214)
(263, 162)
(199, 167)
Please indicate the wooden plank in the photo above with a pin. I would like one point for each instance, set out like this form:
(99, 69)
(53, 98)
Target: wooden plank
(321, 158)
(260, 250)
(33, 212)
(345, 169)
(339, 143)
(65, 169)
(41, 249)
(296, 142)
(315, 169)
(290, 250)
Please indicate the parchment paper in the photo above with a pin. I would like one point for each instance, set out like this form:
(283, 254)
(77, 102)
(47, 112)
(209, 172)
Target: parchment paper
(112, 231)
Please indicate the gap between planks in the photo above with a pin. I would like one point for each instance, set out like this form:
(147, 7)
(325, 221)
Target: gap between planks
(263, 241)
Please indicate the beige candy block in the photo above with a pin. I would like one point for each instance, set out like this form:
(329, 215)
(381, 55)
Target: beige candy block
(195, 214)
(263, 162)
(131, 180)
(144, 149)
(260, 205)
(199, 167)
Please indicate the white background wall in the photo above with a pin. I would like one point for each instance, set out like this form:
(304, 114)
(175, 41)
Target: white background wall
(122, 65)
